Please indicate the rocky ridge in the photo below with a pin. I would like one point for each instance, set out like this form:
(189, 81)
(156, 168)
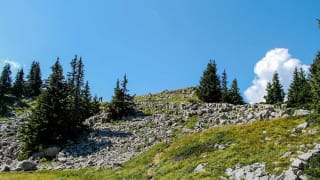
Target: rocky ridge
(111, 144)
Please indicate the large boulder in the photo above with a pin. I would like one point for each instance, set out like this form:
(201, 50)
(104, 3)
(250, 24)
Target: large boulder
(26, 165)
(51, 152)
(301, 112)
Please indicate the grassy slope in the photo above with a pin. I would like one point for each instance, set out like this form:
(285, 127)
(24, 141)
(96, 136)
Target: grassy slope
(247, 145)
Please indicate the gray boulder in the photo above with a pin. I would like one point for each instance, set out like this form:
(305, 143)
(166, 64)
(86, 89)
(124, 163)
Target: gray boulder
(200, 168)
(301, 112)
(26, 165)
(51, 152)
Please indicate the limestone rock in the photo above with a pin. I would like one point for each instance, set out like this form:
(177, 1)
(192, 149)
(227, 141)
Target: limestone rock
(200, 168)
(301, 112)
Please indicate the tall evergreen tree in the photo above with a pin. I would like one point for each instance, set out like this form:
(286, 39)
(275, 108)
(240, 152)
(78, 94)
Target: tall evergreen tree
(209, 89)
(5, 80)
(234, 93)
(19, 84)
(86, 108)
(224, 87)
(34, 81)
(275, 92)
(299, 94)
(315, 82)
(75, 86)
(122, 103)
(49, 123)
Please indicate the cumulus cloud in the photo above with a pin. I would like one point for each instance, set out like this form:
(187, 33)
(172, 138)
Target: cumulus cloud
(14, 65)
(279, 60)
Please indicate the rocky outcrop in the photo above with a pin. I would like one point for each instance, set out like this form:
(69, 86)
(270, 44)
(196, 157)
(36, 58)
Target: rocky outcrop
(258, 170)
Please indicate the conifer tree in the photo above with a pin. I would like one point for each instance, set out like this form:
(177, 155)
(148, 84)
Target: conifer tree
(299, 94)
(122, 103)
(95, 106)
(234, 93)
(224, 87)
(49, 123)
(315, 82)
(275, 92)
(34, 81)
(209, 89)
(19, 84)
(86, 108)
(5, 80)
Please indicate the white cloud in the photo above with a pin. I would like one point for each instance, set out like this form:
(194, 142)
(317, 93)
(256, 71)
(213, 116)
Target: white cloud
(279, 60)
(14, 65)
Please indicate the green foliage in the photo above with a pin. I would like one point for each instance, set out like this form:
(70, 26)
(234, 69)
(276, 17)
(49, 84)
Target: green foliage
(224, 87)
(314, 118)
(234, 96)
(299, 95)
(34, 82)
(5, 80)
(275, 92)
(122, 103)
(19, 84)
(312, 169)
(315, 82)
(209, 89)
(59, 112)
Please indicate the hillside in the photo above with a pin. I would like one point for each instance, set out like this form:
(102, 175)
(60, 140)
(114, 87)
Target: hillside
(176, 135)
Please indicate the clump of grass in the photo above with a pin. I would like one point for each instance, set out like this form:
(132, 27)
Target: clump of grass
(191, 122)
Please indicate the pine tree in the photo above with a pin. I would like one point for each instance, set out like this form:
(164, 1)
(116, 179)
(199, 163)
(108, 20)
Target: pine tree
(224, 87)
(122, 103)
(34, 82)
(275, 92)
(234, 93)
(95, 106)
(19, 84)
(209, 89)
(5, 80)
(315, 82)
(299, 91)
(49, 123)
(86, 108)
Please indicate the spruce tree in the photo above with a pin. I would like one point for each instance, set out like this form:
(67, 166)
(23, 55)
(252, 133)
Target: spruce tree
(49, 123)
(34, 81)
(209, 89)
(299, 91)
(275, 92)
(234, 93)
(224, 87)
(95, 106)
(86, 108)
(122, 103)
(315, 82)
(5, 80)
(19, 84)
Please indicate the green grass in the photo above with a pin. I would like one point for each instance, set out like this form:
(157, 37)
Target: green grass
(191, 122)
(246, 144)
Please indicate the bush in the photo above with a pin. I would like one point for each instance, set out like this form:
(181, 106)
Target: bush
(312, 169)
(313, 118)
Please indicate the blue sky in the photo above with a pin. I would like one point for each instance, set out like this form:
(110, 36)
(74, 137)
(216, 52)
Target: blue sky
(162, 44)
